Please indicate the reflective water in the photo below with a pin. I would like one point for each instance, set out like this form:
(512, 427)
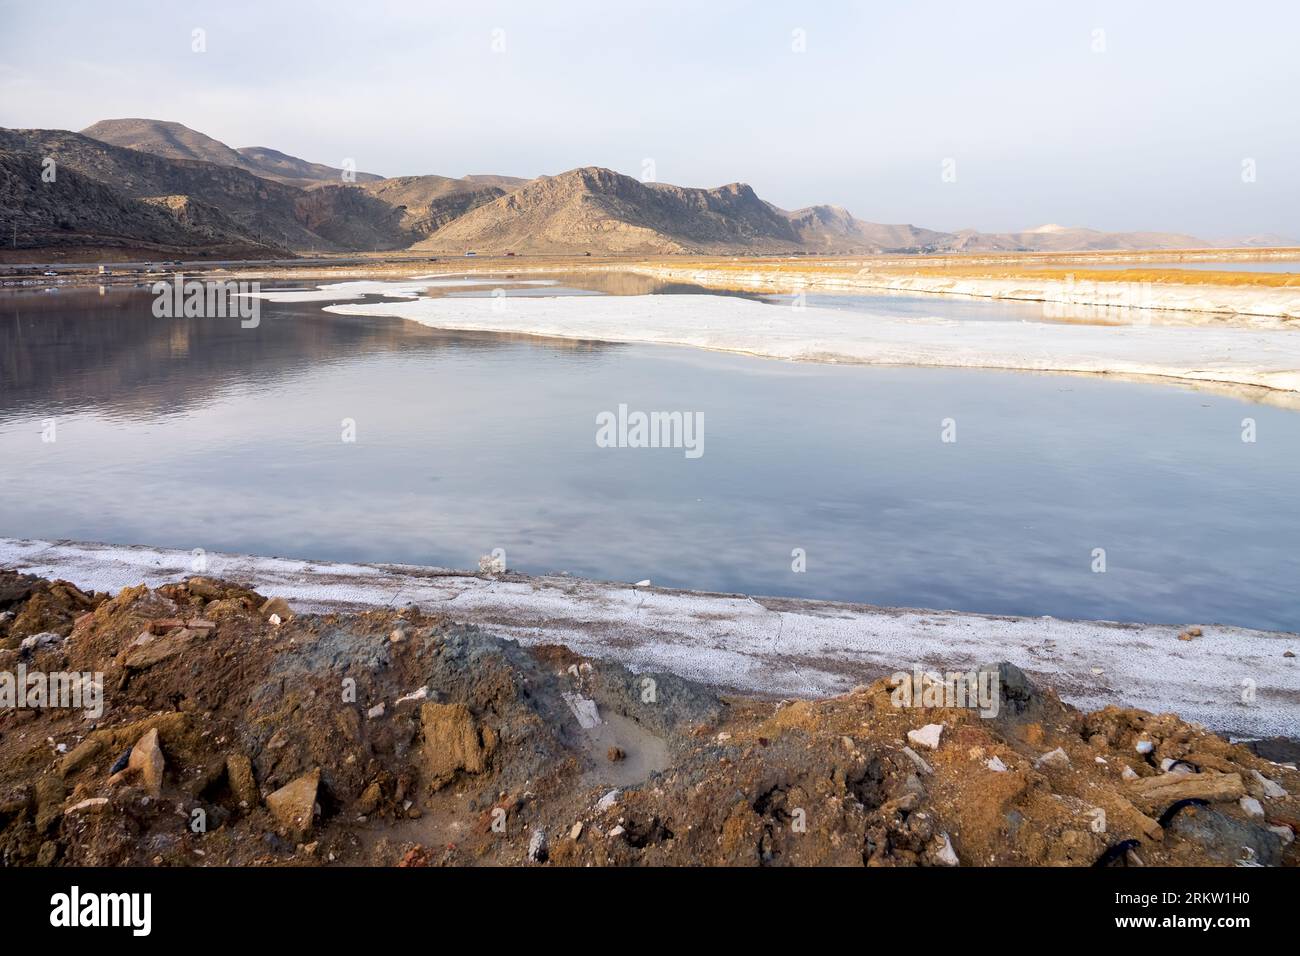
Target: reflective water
(193, 433)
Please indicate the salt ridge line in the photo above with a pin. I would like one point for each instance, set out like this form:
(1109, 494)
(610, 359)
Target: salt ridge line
(776, 646)
(1218, 300)
(334, 291)
(1267, 359)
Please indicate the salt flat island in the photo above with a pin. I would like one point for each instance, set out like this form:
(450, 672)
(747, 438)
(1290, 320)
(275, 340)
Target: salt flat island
(1228, 354)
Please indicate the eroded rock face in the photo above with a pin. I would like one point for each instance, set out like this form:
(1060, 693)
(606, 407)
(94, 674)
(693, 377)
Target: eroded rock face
(453, 741)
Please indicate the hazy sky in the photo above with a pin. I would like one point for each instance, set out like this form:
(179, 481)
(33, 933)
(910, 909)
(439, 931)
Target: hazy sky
(1118, 115)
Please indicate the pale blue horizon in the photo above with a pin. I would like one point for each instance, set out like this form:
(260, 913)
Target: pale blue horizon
(1145, 125)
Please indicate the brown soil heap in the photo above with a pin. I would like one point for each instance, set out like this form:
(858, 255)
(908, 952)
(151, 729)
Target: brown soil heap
(401, 737)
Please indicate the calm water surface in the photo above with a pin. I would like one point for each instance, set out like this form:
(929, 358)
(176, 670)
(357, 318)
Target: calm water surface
(197, 433)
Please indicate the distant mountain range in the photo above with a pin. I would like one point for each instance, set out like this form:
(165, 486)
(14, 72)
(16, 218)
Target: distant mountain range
(174, 141)
(140, 187)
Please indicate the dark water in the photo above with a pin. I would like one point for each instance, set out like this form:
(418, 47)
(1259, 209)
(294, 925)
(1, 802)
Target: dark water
(199, 434)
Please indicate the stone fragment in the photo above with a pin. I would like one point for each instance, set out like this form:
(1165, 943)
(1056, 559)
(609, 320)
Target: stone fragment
(90, 803)
(1260, 786)
(1057, 759)
(38, 641)
(294, 804)
(927, 736)
(239, 775)
(278, 607)
(159, 649)
(1252, 806)
(945, 855)
(918, 760)
(147, 761)
(537, 851)
(1169, 788)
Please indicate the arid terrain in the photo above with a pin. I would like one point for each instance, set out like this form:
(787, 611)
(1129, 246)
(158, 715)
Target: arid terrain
(139, 188)
(234, 731)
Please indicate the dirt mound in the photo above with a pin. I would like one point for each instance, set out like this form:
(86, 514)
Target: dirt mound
(30, 606)
(231, 731)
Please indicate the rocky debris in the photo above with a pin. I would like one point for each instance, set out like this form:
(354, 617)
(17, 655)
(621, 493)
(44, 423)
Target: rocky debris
(294, 805)
(414, 697)
(147, 760)
(49, 795)
(1057, 759)
(537, 852)
(38, 641)
(486, 754)
(453, 741)
(174, 729)
(1170, 788)
(33, 607)
(276, 607)
(90, 803)
(1252, 806)
(149, 649)
(239, 776)
(370, 798)
(917, 760)
(1225, 839)
(1016, 692)
(584, 709)
(945, 855)
(1262, 787)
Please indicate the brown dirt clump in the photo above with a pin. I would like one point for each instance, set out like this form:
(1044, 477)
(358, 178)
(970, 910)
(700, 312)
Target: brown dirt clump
(405, 738)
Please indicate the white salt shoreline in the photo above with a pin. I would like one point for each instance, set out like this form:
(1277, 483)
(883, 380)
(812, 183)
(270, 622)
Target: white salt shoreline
(336, 291)
(1242, 303)
(775, 646)
(1231, 356)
